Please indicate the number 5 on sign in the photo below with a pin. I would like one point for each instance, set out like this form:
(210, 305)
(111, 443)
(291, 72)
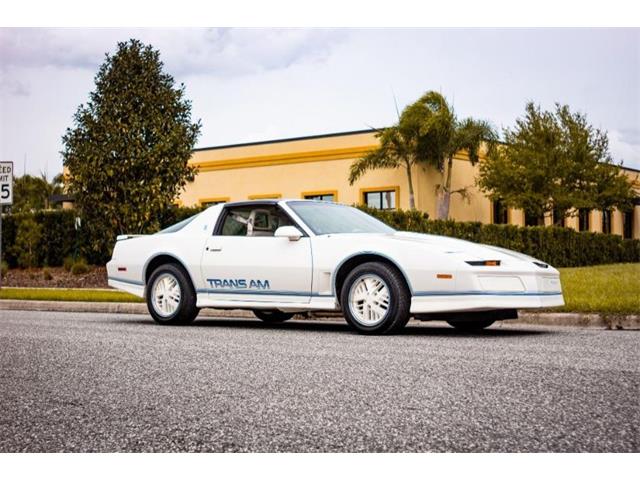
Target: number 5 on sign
(6, 183)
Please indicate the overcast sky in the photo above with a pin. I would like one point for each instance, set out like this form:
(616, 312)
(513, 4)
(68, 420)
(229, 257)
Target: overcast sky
(260, 84)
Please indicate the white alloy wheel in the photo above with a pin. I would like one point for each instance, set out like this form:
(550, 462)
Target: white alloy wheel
(166, 295)
(369, 299)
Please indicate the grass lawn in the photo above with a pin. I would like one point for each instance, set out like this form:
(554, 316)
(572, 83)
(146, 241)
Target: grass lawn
(603, 288)
(61, 294)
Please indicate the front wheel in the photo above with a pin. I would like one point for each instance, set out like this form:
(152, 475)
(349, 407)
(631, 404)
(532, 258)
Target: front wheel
(375, 299)
(273, 316)
(470, 325)
(171, 299)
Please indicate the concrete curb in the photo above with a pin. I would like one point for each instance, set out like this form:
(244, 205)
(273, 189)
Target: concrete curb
(104, 307)
(592, 320)
(598, 320)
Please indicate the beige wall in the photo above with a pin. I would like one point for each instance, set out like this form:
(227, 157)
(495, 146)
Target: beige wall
(290, 181)
(292, 168)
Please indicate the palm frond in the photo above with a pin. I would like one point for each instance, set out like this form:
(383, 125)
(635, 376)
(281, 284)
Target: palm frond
(470, 135)
(374, 160)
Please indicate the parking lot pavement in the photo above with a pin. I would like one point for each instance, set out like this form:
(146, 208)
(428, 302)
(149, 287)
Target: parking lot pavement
(108, 382)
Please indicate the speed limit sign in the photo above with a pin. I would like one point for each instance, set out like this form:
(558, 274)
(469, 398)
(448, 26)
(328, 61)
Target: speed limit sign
(6, 195)
(6, 183)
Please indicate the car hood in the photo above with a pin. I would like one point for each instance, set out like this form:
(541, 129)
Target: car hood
(451, 245)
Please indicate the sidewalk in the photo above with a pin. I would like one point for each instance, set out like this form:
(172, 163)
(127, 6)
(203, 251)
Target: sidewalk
(592, 320)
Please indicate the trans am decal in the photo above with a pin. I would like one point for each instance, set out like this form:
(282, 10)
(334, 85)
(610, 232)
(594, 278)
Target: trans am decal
(238, 283)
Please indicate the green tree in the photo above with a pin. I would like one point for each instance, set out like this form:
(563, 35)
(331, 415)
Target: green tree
(554, 161)
(31, 193)
(127, 154)
(428, 133)
(27, 239)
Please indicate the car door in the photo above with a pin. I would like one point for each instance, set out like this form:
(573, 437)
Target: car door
(243, 261)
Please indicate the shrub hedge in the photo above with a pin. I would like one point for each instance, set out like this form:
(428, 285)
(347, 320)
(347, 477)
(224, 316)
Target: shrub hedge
(561, 247)
(60, 240)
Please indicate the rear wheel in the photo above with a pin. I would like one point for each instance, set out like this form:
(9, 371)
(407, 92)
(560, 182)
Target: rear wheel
(375, 299)
(170, 296)
(470, 325)
(273, 316)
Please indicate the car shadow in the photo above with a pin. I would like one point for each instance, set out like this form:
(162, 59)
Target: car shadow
(413, 329)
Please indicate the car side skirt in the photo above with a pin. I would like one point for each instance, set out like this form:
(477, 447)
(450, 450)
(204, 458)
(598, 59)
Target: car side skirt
(316, 303)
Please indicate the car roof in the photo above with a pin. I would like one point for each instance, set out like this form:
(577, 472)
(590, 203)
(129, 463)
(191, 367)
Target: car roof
(242, 203)
(271, 201)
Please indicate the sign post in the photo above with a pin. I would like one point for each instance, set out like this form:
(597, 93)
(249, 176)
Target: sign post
(6, 196)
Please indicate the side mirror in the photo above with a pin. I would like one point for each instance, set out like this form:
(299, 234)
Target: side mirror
(289, 231)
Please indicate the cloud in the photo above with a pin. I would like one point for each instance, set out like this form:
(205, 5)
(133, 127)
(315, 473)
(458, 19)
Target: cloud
(625, 146)
(230, 52)
(35, 47)
(14, 87)
(216, 51)
(630, 135)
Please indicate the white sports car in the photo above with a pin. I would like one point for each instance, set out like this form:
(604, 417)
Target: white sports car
(279, 258)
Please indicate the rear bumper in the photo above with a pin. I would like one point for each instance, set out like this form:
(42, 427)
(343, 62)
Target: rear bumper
(128, 286)
(123, 281)
(427, 302)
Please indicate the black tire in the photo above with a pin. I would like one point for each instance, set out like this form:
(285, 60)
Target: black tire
(186, 311)
(470, 325)
(397, 314)
(273, 316)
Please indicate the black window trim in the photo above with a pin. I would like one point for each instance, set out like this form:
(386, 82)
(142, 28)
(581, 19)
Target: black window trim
(627, 224)
(584, 214)
(314, 198)
(499, 205)
(607, 221)
(387, 190)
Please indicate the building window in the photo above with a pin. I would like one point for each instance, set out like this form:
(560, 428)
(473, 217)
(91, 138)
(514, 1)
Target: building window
(265, 196)
(530, 220)
(627, 224)
(584, 224)
(559, 218)
(321, 196)
(380, 199)
(500, 213)
(209, 202)
(606, 221)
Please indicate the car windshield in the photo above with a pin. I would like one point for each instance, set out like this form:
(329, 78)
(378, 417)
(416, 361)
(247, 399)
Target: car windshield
(323, 218)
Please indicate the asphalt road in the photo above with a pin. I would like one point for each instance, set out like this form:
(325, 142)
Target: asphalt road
(97, 382)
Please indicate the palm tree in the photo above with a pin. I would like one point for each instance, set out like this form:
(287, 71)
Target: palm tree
(428, 133)
(444, 135)
(53, 187)
(467, 135)
(394, 152)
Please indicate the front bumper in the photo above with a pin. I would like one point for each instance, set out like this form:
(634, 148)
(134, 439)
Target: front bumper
(426, 302)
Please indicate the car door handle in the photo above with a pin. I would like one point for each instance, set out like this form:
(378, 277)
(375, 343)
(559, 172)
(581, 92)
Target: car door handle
(216, 248)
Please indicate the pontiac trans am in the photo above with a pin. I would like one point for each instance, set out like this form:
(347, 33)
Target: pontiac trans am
(278, 258)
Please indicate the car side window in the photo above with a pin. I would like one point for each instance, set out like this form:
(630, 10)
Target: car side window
(235, 223)
(254, 221)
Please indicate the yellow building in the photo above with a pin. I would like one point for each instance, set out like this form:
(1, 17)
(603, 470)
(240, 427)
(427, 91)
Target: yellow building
(318, 167)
